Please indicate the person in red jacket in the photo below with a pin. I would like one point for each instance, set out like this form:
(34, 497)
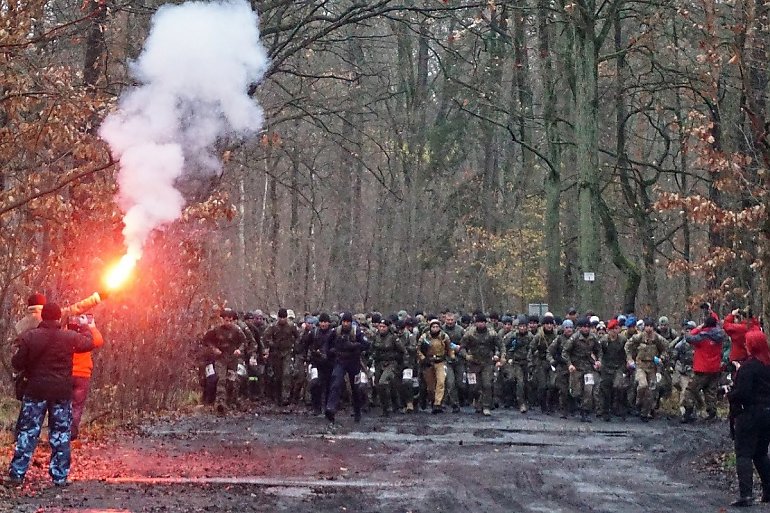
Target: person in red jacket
(82, 366)
(707, 342)
(736, 327)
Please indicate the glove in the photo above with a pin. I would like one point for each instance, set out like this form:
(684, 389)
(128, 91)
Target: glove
(656, 360)
(103, 294)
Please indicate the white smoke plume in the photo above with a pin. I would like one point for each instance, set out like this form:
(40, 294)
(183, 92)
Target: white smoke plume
(193, 73)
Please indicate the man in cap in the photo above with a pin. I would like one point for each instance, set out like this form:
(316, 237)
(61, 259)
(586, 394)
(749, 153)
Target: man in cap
(537, 362)
(514, 372)
(708, 342)
(316, 343)
(645, 354)
(225, 343)
(44, 355)
(559, 378)
(614, 380)
(482, 348)
(388, 354)
(434, 349)
(583, 355)
(349, 343)
(280, 341)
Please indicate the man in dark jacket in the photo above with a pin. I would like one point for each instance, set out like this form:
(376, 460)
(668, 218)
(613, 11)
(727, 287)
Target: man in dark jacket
(44, 355)
(316, 343)
(349, 343)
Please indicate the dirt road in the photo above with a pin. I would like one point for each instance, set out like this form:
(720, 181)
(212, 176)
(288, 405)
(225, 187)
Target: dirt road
(419, 463)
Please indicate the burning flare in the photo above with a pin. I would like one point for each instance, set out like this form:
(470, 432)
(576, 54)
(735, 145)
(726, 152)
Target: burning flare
(116, 276)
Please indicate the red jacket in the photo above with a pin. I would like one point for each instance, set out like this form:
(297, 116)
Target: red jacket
(707, 343)
(737, 332)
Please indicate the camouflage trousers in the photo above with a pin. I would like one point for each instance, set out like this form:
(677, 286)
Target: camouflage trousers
(28, 434)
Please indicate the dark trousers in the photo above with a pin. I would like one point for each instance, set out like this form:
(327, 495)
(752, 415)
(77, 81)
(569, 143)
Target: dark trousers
(80, 388)
(752, 437)
(319, 388)
(342, 369)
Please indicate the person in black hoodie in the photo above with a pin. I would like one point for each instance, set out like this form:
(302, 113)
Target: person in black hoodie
(750, 410)
(44, 355)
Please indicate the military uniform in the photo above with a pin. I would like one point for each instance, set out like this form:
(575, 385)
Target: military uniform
(539, 366)
(280, 340)
(315, 344)
(480, 349)
(223, 344)
(559, 374)
(642, 350)
(434, 351)
(455, 389)
(388, 353)
(515, 372)
(613, 383)
(582, 352)
(682, 358)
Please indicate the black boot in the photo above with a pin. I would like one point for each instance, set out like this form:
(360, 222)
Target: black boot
(743, 502)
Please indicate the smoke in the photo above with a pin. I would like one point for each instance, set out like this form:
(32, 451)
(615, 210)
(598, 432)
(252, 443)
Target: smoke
(193, 75)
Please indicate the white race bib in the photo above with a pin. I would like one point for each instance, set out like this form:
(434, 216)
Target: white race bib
(471, 378)
(242, 370)
(658, 377)
(253, 361)
(588, 379)
(407, 374)
(361, 378)
(312, 373)
(209, 370)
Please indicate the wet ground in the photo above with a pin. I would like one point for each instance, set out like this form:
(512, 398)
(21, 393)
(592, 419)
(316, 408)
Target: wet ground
(407, 463)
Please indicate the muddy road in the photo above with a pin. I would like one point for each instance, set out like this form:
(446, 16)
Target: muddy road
(407, 463)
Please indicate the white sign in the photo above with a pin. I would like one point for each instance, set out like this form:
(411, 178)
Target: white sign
(589, 276)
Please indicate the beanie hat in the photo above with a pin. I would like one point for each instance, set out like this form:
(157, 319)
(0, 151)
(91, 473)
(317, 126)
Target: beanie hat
(612, 324)
(507, 319)
(630, 321)
(663, 320)
(479, 317)
(324, 317)
(51, 312)
(36, 299)
(567, 324)
(594, 319)
(282, 313)
(548, 319)
(583, 322)
(434, 321)
(347, 316)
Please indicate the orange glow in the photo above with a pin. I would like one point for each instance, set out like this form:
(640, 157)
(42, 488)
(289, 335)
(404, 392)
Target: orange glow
(117, 275)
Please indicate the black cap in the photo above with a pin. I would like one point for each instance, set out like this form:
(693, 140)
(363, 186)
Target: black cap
(282, 313)
(324, 317)
(533, 318)
(548, 320)
(376, 317)
(479, 317)
(51, 312)
(347, 316)
(572, 311)
(583, 322)
(494, 315)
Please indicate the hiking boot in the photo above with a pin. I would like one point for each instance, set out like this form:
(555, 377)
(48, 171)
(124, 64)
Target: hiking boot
(455, 409)
(330, 416)
(743, 502)
(437, 409)
(486, 412)
(523, 408)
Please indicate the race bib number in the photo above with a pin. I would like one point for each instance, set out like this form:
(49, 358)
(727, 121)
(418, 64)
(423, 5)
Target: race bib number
(471, 378)
(312, 373)
(588, 379)
(407, 374)
(253, 361)
(209, 370)
(361, 378)
(658, 377)
(241, 371)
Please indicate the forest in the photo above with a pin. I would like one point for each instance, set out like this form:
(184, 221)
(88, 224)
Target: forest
(413, 154)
